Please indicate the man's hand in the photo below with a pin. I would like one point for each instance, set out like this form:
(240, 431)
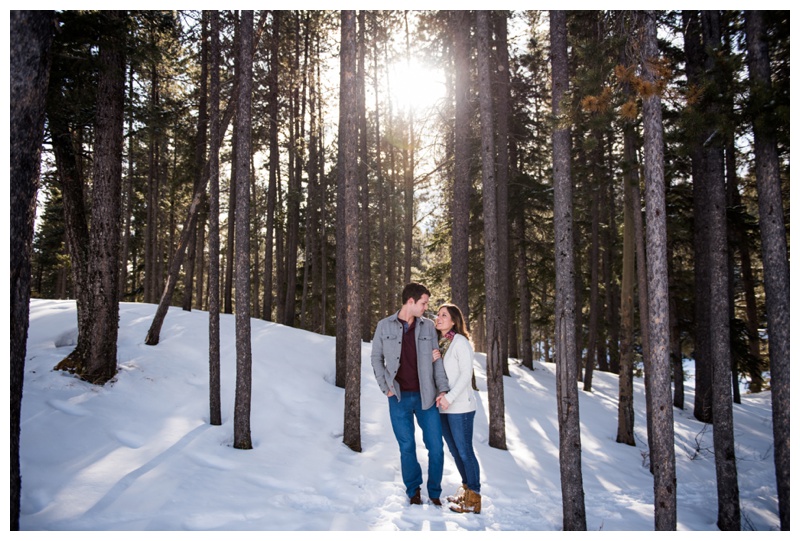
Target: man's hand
(390, 393)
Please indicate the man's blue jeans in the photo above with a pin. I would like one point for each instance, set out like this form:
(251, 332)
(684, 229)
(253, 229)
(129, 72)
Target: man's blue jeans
(402, 414)
(457, 432)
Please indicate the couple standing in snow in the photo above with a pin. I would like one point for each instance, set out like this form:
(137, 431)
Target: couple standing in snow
(425, 370)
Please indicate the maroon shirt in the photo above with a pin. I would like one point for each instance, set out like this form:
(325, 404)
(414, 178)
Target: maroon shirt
(407, 375)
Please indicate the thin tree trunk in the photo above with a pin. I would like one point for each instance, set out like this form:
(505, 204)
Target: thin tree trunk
(365, 252)
(502, 91)
(215, 414)
(348, 107)
(128, 203)
(241, 412)
(272, 108)
(625, 421)
(573, 506)
(200, 157)
(774, 248)
(460, 203)
(663, 457)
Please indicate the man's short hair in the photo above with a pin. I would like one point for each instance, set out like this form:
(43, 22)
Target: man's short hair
(414, 291)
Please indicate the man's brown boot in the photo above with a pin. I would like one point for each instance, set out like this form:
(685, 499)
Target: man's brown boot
(416, 499)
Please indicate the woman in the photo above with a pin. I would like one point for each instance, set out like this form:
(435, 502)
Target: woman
(457, 408)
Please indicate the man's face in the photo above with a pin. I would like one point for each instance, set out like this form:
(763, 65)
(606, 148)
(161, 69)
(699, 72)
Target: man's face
(418, 308)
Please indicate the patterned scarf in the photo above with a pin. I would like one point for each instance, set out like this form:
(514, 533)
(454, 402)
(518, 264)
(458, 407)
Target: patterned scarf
(445, 341)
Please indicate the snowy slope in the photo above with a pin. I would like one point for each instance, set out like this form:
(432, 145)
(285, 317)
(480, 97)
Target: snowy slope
(139, 454)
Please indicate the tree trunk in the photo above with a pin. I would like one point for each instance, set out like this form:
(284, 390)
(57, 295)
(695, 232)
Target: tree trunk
(460, 203)
(348, 107)
(494, 362)
(215, 414)
(502, 92)
(573, 507)
(625, 422)
(128, 204)
(729, 515)
(272, 108)
(703, 369)
(773, 246)
(363, 181)
(241, 412)
(31, 33)
(195, 248)
(663, 456)
(101, 364)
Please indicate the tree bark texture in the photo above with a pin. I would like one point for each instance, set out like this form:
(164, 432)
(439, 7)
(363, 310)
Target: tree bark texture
(703, 369)
(728, 511)
(663, 454)
(774, 249)
(459, 274)
(348, 106)
(31, 34)
(241, 412)
(104, 235)
(215, 410)
(573, 506)
(494, 362)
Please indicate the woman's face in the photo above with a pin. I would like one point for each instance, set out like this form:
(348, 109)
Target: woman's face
(444, 322)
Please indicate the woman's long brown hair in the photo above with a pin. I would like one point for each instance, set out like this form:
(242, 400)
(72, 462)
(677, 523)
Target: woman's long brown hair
(459, 324)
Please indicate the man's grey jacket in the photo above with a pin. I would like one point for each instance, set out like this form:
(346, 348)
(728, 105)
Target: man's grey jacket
(386, 358)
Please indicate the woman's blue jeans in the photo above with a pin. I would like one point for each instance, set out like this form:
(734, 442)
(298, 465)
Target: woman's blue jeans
(457, 432)
(402, 413)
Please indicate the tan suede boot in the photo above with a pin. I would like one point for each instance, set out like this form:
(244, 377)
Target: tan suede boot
(458, 497)
(470, 504)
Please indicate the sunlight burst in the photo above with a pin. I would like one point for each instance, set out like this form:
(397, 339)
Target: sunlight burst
(416, 85)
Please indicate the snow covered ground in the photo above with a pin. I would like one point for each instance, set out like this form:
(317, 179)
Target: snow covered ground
(139, 454)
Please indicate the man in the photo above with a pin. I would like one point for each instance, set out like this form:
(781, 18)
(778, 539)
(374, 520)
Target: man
(402, 358)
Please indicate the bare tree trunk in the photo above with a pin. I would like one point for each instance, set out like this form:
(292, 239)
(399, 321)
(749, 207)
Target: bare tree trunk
(774, 248)
(494, 363)
(625, 422)
(703, 368)
(215, 413)
(128, 203)
(241, 412)
(502, 91)
(31, 34)
(460, 203)
(101, 364)
(272, 108)
(663, 457)
(365, 252)
(574, 510)
(729, 514)
(348, 107)
(200, 157)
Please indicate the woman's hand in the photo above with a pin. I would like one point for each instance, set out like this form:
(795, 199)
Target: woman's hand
(442, 402)
(436, 355)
